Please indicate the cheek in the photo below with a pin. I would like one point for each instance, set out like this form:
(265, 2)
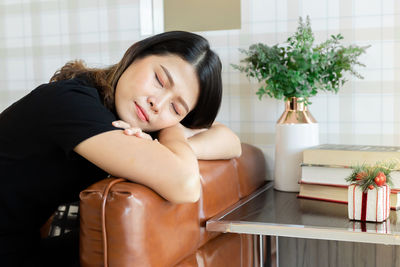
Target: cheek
(166, 121)
(142, 82)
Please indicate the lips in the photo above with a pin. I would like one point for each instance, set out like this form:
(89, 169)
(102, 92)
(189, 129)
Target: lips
(141, 113)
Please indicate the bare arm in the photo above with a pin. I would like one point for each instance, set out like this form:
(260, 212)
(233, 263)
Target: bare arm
(218, 142)
(169, 166)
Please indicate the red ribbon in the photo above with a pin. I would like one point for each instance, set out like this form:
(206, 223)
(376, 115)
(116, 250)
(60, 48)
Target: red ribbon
(387, 201)
(354, 202)
(376, 208)
(364, 201)
(364, 206)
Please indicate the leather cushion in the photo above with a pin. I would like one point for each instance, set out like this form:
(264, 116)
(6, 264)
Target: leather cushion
(142, 228)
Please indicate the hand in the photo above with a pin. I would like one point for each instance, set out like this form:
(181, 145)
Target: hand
(131, 131)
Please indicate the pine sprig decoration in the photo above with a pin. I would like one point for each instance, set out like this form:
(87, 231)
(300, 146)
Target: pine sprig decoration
(297, 68)
(372, 176)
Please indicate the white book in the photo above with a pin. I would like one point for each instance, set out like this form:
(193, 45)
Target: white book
(335, 175)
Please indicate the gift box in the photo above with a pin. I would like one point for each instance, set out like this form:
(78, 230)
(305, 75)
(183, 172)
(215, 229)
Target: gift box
(369, 205)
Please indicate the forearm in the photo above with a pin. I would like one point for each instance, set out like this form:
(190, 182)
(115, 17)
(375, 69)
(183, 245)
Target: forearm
(174, 140)
(168, 166)
(218, 142)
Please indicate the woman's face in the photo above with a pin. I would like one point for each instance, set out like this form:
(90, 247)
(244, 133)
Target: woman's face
(156, 92)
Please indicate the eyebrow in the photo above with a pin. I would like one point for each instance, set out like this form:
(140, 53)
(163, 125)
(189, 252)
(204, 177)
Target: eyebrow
(171, 82)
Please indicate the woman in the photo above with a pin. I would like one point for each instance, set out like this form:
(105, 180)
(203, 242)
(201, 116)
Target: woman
(64, 135)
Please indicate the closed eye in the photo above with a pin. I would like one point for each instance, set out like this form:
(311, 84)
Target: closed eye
(176, 111)
(158, 80)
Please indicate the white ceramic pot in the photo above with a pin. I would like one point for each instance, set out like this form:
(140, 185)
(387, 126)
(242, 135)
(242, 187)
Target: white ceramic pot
(296, 130)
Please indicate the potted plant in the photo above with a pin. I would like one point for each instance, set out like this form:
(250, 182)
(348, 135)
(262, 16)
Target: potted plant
(295, 71)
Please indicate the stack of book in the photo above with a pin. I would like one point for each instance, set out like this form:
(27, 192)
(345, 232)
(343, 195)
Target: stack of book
(325, 168)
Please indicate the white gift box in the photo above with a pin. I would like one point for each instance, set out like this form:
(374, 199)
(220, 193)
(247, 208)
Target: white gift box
(372, 205)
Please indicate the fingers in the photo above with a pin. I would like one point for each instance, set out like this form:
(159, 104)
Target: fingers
(138, 133)
(132, 131)
(121, 124)
(143, 135)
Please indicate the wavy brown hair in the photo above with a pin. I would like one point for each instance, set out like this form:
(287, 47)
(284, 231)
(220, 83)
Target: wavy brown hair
(102, 79)
(189, 46)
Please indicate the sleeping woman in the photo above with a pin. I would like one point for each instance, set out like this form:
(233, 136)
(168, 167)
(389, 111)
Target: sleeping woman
(148, 119)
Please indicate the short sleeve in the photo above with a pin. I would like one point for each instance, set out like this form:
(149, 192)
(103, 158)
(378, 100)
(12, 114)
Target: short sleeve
(73, 112)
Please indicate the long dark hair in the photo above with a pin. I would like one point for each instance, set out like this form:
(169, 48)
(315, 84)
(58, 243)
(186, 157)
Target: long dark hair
(191, 47)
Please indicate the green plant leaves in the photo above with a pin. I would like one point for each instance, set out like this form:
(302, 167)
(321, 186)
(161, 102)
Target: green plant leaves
(297, 68)
(370, 172)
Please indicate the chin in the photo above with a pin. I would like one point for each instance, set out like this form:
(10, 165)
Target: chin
(151, 130)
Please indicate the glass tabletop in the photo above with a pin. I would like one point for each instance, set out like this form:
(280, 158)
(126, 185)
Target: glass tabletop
(271, 212)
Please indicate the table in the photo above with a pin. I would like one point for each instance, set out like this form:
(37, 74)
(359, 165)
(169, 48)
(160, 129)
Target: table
(274, 213)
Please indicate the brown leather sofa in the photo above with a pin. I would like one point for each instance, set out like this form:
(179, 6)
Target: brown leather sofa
(126, 224)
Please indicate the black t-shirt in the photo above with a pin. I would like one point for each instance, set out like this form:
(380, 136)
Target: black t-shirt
(38, 168)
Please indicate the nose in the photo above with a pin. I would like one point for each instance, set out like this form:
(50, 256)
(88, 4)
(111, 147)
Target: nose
(158, 102)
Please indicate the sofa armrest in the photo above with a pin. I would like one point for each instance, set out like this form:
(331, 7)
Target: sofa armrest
(143, 229)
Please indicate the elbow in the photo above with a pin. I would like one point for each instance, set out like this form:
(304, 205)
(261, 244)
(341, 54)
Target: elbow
(192, 190)
(191, 196)
(189, 190)
(235, 150)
